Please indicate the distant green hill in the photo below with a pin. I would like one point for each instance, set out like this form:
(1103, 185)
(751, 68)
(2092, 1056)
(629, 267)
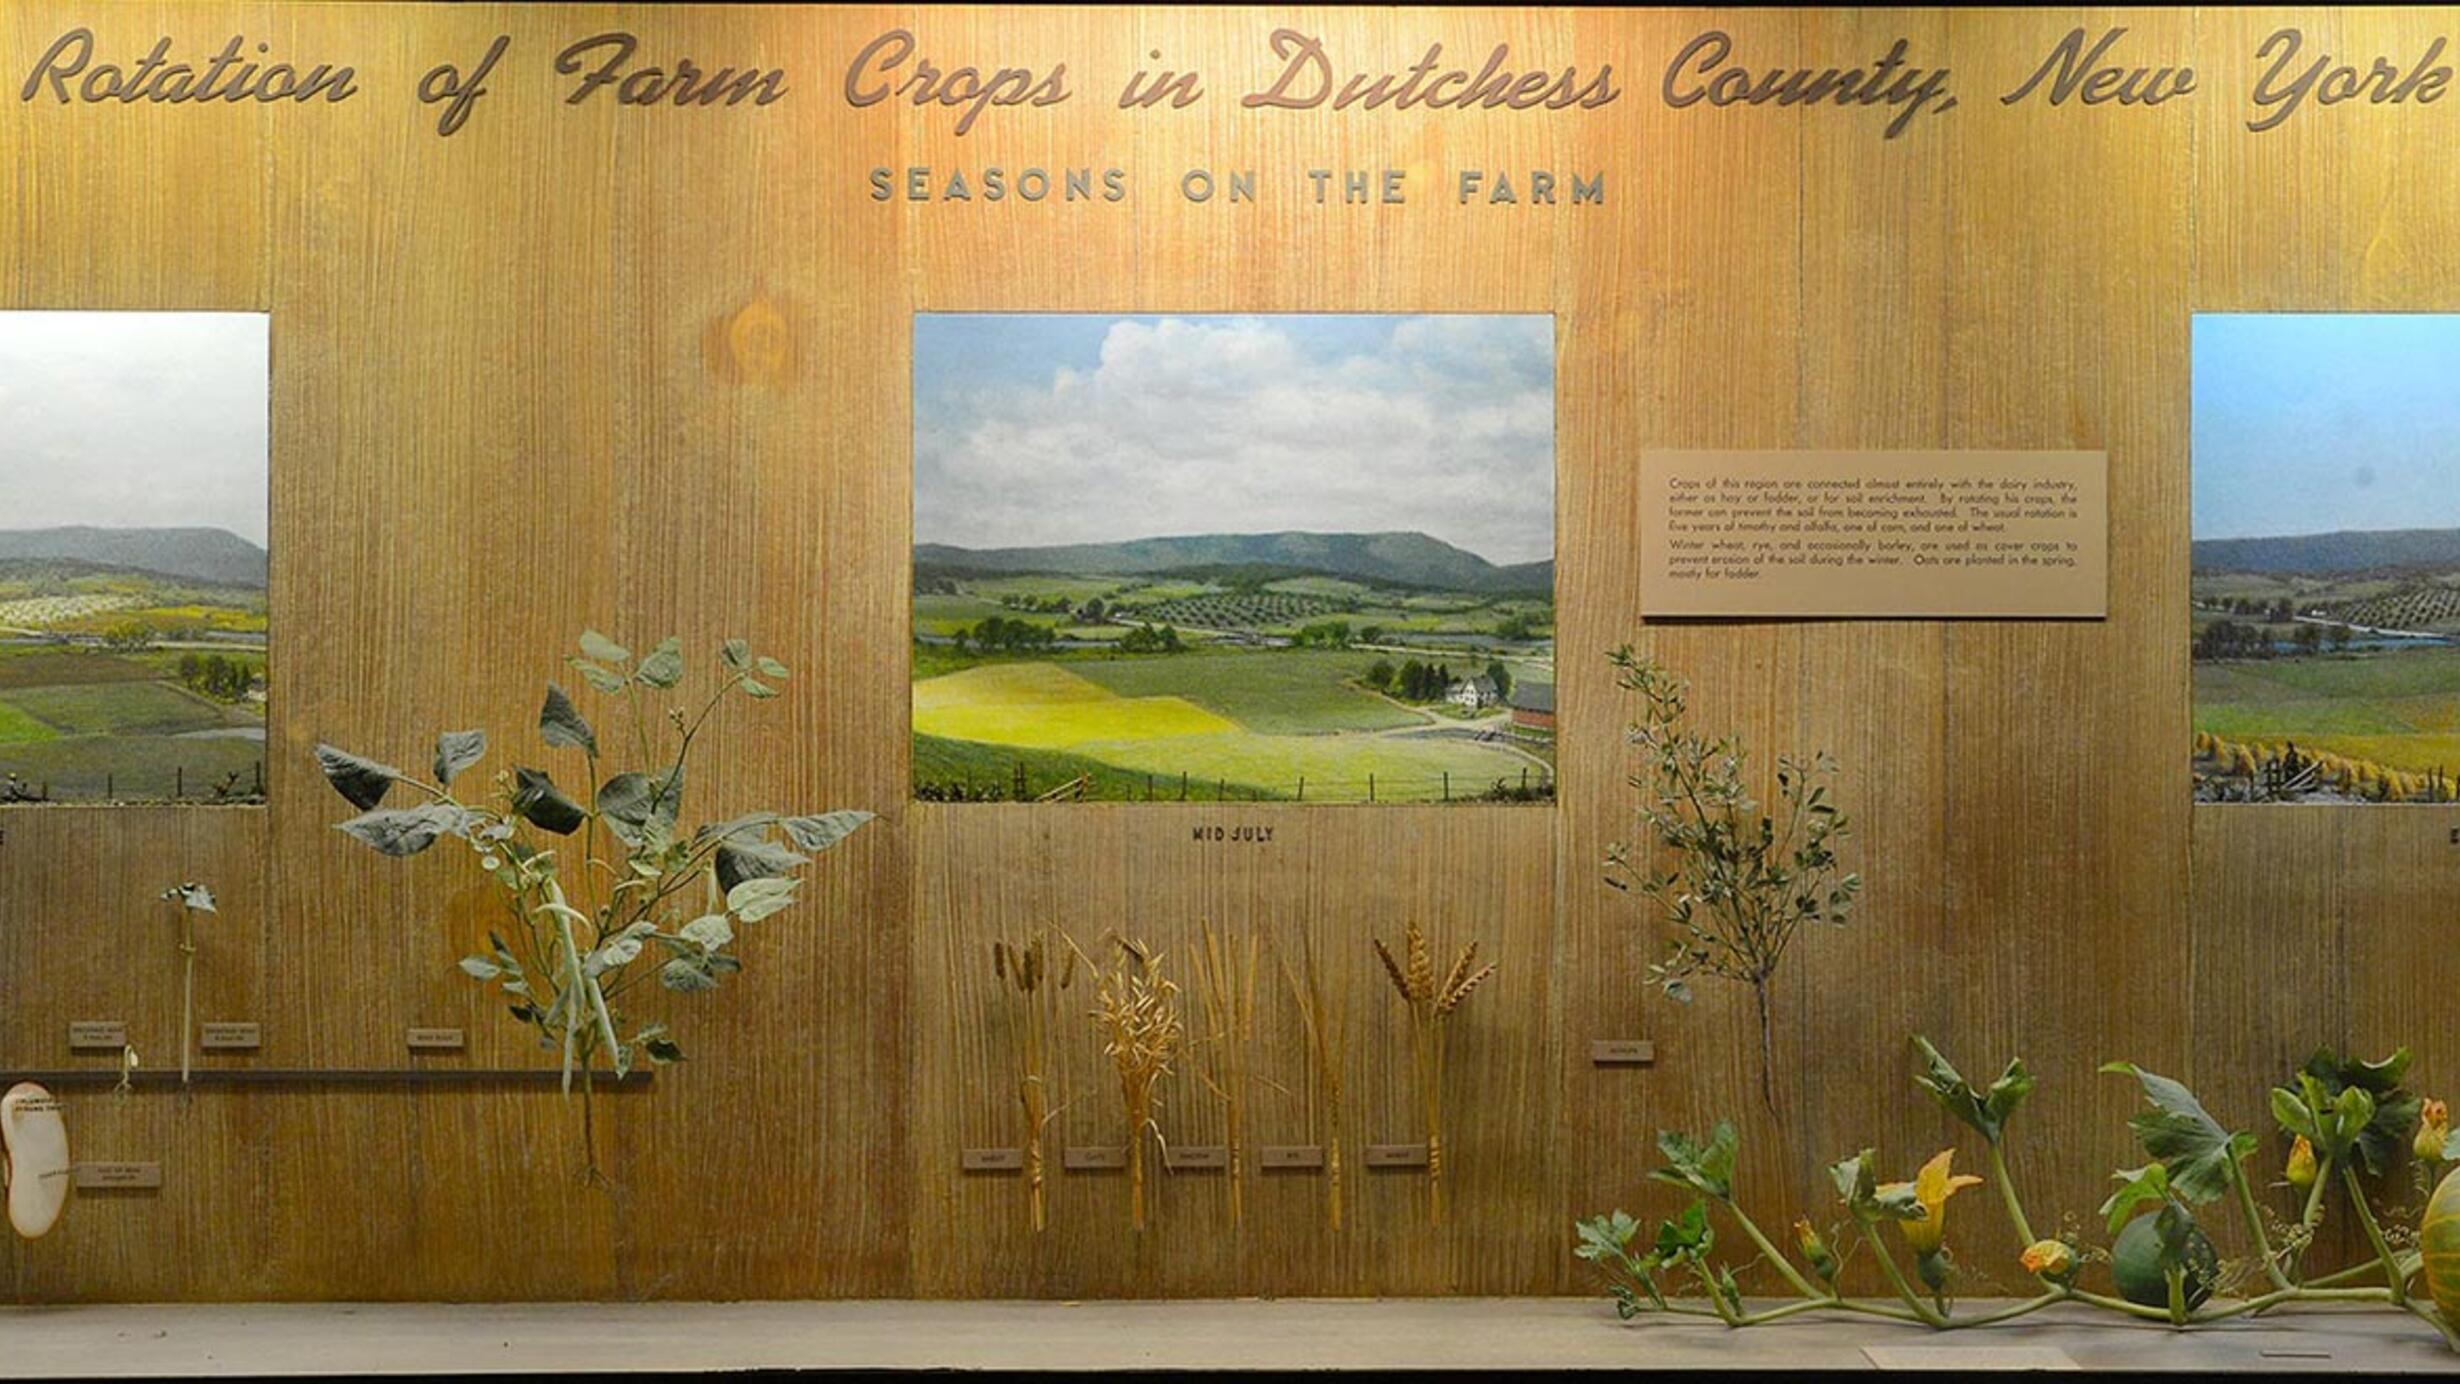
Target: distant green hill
(216, 557)
(2346, 551)
(1406, 559)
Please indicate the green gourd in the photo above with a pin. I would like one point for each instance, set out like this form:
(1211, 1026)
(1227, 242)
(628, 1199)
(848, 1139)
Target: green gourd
(2438, 1243)
(2135, 1263)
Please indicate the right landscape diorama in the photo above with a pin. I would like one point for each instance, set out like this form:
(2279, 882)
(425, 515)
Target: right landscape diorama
(2325, 605)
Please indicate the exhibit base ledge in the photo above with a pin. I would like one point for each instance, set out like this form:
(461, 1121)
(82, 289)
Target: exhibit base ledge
(1375, 1334)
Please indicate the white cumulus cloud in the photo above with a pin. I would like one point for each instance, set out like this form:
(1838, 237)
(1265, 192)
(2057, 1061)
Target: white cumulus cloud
(1443, 424)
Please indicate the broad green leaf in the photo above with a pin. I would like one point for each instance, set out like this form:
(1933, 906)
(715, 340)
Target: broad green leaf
(1687, 1236)
(684, 975)
(755, 899)
(1705, 1167)
(619, 951)
(749, 857)
(562, 725)
(543, 805)
(709, 931)
(818, 833)
(2200, 1156)
(601, 649)
(2393, 1110)
(363, 781)
(604, 680)
(2137, 1188)
(760, 690)
(638, 808)
(481, 967)
(1857, 1185)
(736, 654)
(663, 666)
(1987, 1111)
(405, 830)
(457, 750)
(754, 824)
(771, 668)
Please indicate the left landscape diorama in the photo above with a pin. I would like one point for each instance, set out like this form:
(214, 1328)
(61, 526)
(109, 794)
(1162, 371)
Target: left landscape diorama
(133, 556)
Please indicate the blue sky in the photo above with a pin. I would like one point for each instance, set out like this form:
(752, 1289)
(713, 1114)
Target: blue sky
(1034, 429)
(2316, 422)
(134, 420)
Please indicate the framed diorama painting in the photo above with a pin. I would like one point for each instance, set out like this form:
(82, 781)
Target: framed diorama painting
(1295, 558)
(133, 556)
(2326, 558)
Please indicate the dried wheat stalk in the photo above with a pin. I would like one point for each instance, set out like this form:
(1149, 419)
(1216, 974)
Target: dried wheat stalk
(1136, 1009)
(1226, 983)
(1023, 973)
(1324, 1020)
(1430, 1003)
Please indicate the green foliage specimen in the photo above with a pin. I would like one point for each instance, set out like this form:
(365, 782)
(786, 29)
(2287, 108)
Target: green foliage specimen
(605, 889)
(1741, 882)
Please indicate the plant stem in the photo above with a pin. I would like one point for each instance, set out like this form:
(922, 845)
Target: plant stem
(1792, 1275)
(1896, 1279)
(2313, 1214)
(2117, 1304)
(187, 988)
(2374, 1235)
(1768, 1047)
(2007, 1195)
(2255, 1226)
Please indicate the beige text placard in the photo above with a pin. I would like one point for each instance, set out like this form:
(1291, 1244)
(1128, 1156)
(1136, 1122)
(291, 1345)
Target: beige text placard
(1900, 533)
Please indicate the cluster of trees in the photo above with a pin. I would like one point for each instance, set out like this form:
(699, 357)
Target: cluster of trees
(2230, 639)
(2279, 611)
(128, 636)
(1043, 605)
(218, 676)
(1151, 639)
(1412, 681)
(999, 634)
(1324, 634)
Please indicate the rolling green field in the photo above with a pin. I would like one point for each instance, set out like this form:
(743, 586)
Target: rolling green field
(81, 725)
(2398, 708)
(1239, 683)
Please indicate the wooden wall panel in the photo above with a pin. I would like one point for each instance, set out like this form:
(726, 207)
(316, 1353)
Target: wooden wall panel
(649, 371)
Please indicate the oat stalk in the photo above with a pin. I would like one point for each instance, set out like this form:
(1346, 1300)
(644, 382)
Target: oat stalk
(1430, 1004)
(1136, 1010)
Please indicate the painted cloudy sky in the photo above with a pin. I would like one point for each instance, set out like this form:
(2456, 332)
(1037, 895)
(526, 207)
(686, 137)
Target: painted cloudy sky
(1043, 429)
(134, 420)
(2320, 422)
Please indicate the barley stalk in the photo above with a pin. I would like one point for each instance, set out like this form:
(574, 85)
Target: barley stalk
(1022, 971)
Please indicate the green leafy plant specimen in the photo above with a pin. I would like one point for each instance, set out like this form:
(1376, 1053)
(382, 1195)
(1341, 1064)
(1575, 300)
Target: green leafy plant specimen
(2164, 1266)
(604, 890)
(1741, 882)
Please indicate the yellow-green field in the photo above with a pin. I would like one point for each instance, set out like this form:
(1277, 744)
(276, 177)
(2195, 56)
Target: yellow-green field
(1045, 707)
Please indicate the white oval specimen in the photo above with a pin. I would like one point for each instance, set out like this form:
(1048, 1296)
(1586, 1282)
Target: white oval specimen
(36, 1162)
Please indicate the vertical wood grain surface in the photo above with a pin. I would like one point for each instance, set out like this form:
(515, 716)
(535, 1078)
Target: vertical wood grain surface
(649, 371)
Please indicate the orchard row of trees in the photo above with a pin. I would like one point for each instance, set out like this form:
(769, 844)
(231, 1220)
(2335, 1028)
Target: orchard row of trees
(2230, 639)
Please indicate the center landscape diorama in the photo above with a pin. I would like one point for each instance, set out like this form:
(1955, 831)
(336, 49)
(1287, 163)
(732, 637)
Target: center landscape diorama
(1292, 558)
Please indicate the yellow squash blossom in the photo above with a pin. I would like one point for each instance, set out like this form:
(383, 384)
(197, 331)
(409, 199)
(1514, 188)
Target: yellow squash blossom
(1815, 1249)
(2301, 1169)
(1931, 1188)
(2052, 1259)
(2433, 1127)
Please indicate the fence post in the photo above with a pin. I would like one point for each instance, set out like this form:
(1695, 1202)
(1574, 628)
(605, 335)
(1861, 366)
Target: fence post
(1447, 785)
(1302, 788)
(179, 781)
(1524, 778)
(260, 778)
(1148, 788)
(1182, 785)
(1221, 790)
(1370, 788)
(1020, 781)
(111, 787)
